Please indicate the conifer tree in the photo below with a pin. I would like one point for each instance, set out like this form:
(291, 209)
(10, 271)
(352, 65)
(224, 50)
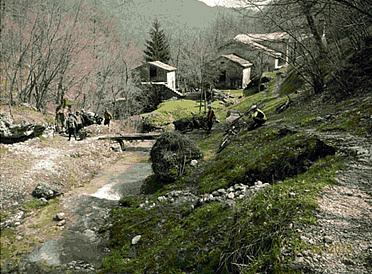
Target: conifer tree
(157, 48)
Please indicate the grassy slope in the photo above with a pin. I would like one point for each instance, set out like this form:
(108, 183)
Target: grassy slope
(248, 238)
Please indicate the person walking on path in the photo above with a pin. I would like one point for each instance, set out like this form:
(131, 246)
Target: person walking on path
(210, 119)
(107, 116)
(71, 125)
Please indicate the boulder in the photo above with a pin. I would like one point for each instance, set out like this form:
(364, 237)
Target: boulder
(45, 191)
(170, 155)
(232, 116)
(13, 133)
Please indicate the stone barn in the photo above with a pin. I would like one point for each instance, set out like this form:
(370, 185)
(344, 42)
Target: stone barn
(269, 50)
(160, 78)
(158, 73)
(234, 72)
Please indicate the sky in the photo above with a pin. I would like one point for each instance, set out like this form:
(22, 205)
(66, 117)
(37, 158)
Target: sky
(226, 3)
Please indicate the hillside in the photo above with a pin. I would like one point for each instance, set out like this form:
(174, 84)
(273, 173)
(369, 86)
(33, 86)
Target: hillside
(176, 16)
(269, 202)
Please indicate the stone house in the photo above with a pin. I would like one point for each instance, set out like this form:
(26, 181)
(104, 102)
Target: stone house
(160, 77)
(234, 72)
(267, 52)
(158, 73)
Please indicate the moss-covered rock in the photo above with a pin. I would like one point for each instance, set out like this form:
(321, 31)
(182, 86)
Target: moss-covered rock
(171, 153)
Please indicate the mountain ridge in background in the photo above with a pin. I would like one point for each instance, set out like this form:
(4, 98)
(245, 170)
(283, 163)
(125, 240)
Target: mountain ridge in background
(175, 16)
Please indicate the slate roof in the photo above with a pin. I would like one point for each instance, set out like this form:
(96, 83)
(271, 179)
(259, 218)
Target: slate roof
(162, 65)
(236, 59)
(247, 40)
(271, 37)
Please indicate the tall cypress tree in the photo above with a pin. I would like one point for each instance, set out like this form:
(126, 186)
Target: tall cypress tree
(157, 48)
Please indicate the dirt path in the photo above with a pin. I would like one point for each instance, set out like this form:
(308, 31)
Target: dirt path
(344, 219)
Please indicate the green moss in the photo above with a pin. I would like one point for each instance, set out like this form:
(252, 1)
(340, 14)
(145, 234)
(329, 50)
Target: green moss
(170, 239)
(291, 84)
(3, 150)
(33, 204)
(247, 159)
(356, 120)
(265, 222)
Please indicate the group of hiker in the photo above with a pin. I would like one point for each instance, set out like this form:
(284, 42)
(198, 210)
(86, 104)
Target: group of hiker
(72, 122)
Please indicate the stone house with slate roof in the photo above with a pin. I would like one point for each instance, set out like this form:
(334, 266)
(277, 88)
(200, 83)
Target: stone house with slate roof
(160, 76)
(265, 52)
(234, 72)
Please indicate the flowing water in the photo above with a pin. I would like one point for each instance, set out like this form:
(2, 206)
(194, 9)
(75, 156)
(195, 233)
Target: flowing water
(82, 245)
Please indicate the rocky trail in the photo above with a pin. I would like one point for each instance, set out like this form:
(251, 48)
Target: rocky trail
(344, 218)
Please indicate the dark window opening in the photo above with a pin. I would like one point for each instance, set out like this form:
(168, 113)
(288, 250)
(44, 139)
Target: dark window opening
(223, 76)
(153, 72)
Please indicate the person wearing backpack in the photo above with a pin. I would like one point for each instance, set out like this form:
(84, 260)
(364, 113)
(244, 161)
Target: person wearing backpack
(108, 117)
(71, 125)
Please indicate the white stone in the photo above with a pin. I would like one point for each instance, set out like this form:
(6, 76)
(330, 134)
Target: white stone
(194, 163)
(222, 191)
(59, 216)
(162, 199)
(231, 195)
(136, 239)
(61, 223)
(258, 183)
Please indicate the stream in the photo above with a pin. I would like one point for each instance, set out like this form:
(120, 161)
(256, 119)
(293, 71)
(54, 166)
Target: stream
(82, 245)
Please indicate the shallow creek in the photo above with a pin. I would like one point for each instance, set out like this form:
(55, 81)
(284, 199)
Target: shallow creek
(82, 245)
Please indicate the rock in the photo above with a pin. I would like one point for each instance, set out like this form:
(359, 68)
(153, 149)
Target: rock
(43, 190)
(258, 183)
(59, 216)
(222, 191)
(231, 195)
(136, 239)
(170, 154)
(61, 223)
(13, 133)
(230, 189)
(232, 116)
(292, 194)
(43, 200)
(19, 237)
(162, 199)
(327, 239)
(194, 163)
(215, 193)
(348, 262)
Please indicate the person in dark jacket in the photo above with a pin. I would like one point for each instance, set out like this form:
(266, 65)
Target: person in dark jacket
(107, 118)
(71, 125)
(210, 118)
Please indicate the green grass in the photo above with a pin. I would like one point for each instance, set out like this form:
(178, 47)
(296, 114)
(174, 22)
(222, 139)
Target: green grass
(356, 119)
(42, 225)
(179, 239)
(171, 237)
(266, 222)
(262, 155)
(249, 237)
